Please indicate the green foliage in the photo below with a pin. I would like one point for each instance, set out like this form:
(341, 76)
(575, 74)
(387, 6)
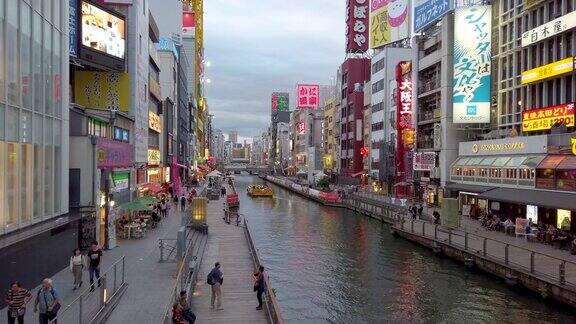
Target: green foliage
(323, 183)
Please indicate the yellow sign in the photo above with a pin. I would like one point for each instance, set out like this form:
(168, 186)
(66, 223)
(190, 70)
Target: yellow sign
(389, 22)
(573, 142)
(154, 122)
(328, 162)
(153, 157)
(546, 118)
(102, 90)
(548, 70)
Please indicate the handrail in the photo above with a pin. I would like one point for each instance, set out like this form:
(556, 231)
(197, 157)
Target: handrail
(274, 314)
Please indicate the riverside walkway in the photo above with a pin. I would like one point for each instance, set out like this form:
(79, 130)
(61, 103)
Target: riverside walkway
(228, 245)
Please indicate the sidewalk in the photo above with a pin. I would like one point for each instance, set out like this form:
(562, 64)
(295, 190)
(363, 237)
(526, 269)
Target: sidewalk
(149, 282)
(227, 245)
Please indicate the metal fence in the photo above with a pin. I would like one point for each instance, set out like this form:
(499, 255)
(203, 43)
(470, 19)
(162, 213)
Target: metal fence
(273, 310)
(90, 306)
(543, 265)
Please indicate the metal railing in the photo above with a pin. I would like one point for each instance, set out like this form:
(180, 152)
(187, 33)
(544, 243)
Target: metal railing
(187, 272)
(271, 304)
(546, 266)
(90, 306)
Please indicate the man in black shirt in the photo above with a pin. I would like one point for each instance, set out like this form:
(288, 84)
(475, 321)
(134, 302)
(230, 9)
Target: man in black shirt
(95, 257)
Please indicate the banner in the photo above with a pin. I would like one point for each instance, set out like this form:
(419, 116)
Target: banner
(472, 65)
(280, 101)
(389, 21)
(308, 96)
(113, 154)
(549, 29)
(427, 12)
(102, 90)
(404, 124)
(73, 26)
(424, 161)
(357, 14)
(546, 118)
(549, 70)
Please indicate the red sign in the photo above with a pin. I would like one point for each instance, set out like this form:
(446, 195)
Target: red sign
(308, 96)
(364, 151)
(301, 128)
(188, 23)
(404, 113)
(546, 118)
(357, 14)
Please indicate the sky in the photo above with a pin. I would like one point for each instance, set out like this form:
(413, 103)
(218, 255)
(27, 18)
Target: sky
(256, 47)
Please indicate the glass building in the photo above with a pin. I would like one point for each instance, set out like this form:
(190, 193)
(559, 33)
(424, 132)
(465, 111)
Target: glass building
(33, 112)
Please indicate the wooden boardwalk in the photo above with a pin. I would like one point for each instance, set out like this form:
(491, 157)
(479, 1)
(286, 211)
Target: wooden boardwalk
(227, 244)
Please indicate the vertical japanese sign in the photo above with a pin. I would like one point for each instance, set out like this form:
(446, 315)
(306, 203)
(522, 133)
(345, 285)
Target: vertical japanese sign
(389, 21)
(73, 25)
(427, 12)
(308, 96)
(280, 101)
(472, 55)
(404, 112)
(357, 15)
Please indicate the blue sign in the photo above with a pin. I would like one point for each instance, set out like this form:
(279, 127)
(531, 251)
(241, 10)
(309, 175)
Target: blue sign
(166, 44)
(472, 65)
(73, 25)
(427, 12)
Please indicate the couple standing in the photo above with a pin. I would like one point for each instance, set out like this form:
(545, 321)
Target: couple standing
(215, 279)
(78, 264)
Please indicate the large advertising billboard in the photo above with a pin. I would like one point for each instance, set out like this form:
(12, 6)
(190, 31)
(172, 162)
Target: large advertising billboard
(427, 12)
(389, 21)
(103, 31)
(308, 96)
(472, 68)
(102, 90)
(280, 101)
(550, 29)
(357, 19)
(546, 118)
(549, 70)
(404, 124)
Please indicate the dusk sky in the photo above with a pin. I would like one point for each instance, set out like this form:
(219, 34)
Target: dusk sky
(257, 47)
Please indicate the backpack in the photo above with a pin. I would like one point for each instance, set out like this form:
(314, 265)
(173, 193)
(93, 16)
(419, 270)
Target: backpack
(210, 279)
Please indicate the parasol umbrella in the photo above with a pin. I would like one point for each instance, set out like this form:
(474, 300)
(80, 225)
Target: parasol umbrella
(146, 200)
(135, 206)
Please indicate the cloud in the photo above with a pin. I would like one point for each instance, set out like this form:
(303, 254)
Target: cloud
(257, 47)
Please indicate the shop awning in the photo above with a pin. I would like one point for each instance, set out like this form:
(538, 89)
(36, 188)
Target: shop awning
(513, 161)
(541, 198)
(467, 187)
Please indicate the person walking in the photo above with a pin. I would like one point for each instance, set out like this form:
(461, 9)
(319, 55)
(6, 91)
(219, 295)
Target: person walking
(164, 208)
(216, 279)
(183, 203)
(260, 285)
(95, 258)
(47, 303)
(77, 264)
(17, 298)
(420, 211)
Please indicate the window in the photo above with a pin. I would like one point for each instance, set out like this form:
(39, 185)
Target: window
(37, 62)
(377, 126)
(13, 52)
(47, 65)
(12, 185)
(121, 134)
(25, 20)
(377, 107)
(378, 86)
(97, 128)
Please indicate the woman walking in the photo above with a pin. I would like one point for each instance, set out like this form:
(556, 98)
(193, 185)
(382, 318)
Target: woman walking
(77, 264)
(17, 298)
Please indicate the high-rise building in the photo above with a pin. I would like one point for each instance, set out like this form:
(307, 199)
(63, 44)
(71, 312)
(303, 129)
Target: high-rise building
(233, 137)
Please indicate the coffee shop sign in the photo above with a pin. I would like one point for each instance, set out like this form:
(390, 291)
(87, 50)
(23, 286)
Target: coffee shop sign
(476, 148)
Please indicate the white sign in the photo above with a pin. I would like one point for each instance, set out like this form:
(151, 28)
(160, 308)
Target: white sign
(549, 29)
(532, 213)
(513, 145)
(424, 161)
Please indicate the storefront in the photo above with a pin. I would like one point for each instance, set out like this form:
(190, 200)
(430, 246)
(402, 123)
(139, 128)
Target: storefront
(154, 171)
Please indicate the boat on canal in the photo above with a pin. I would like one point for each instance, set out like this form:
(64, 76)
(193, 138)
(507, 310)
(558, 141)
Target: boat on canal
(260, 191)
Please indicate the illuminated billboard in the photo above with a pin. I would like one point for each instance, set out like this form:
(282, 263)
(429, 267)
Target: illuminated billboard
(549, 70)
(280, 101)
(389, 21)
(308, 96)
(546, 118)
(102, 90)
(472, 68)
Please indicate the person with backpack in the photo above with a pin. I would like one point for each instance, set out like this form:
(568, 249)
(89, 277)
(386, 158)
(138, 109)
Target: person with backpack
(259, 285)
(215, 279)
(17, 298)
(47, 303)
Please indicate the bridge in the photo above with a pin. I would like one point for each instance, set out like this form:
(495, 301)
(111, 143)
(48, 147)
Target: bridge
(245, 167)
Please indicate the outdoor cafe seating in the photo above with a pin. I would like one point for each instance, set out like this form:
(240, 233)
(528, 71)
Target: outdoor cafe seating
(137, 218)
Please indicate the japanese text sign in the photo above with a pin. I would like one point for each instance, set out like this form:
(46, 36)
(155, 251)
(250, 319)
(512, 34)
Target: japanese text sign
(545, 118)
(153, 157)
(308, 96)
(549, 29)
(114, 154)
(73, 26)
(427, 12)
(389, 21)
(548, 70)
(301, 128)
(154, 122)
(357, 15)
(424, 161)
(404, 79)
(472, 65)
(280, 101)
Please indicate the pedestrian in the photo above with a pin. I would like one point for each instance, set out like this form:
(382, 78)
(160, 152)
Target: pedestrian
(222, 191)
(47, 303)
(413, 212)
(186, 311)
(436, 216)
(420, 210)
(95, 257)
(164, 208)
(77, 264)
(182, 203)
(260, 285)
(17, 298)
(216, 279)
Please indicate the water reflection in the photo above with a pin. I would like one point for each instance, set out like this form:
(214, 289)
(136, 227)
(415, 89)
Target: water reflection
(331, 266)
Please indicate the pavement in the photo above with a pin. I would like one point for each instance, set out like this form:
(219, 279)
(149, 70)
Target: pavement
(227, 244)
(149, 282)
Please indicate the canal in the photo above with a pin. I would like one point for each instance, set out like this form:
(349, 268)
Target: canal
(329, 265)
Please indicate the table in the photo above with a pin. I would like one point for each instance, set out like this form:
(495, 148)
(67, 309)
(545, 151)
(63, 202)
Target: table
(130, 228)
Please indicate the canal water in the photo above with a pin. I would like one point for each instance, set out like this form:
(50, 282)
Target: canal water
(329, 265)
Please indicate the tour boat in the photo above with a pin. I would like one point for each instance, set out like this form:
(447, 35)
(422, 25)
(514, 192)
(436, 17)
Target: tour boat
(260, 191)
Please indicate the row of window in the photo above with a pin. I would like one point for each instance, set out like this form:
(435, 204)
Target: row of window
(378, 65)
(524, 174)
(377, 107)
(377, 86)
(377, 126)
